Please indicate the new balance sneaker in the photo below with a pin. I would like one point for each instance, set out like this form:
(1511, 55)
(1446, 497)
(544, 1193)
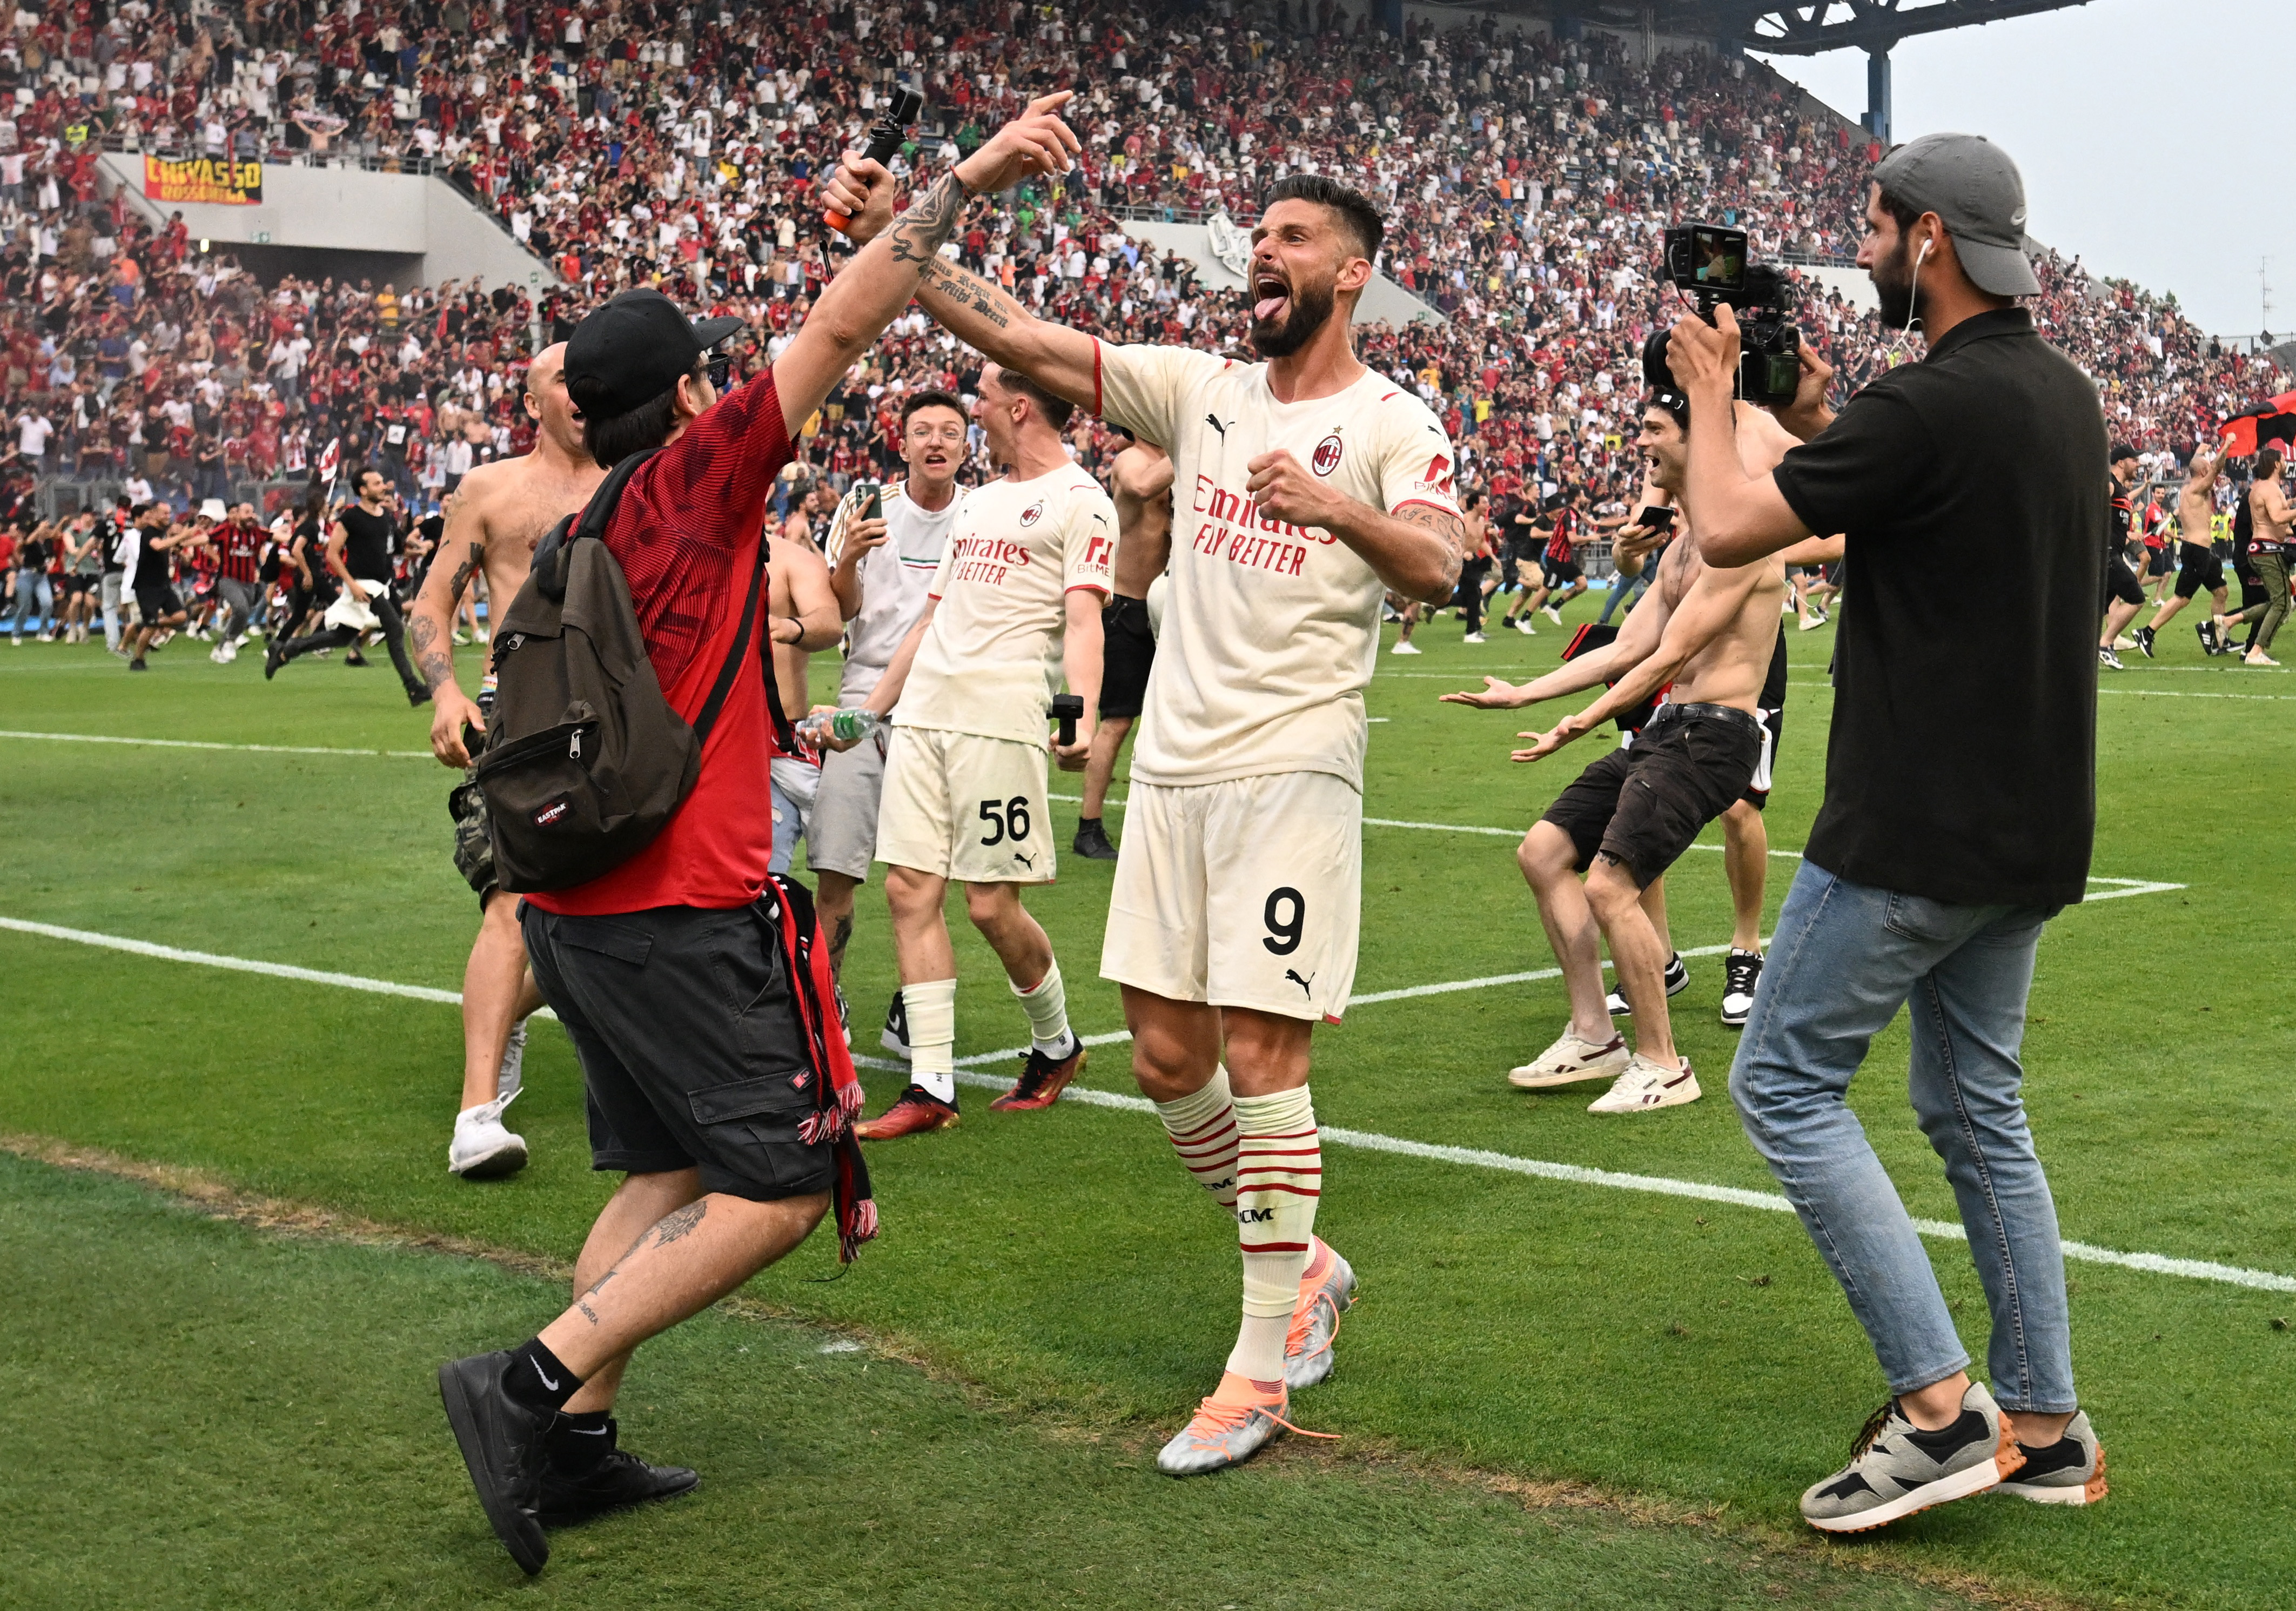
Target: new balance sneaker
(1895, 1468)
(1741, 971)
(2070, 1471)
(1091, 841)
(895, 1037)
(2145, 642)
(1647, 1085)
(1042, 1079)
(917, 1111)
(1677, 979)
(1327, 1290)
(502, 1444)
(584, 1475)
(1569, 1060)
(1404, 645)
(483, 1147)
(513, 1072)
(2106, 658)
(1228, 1428)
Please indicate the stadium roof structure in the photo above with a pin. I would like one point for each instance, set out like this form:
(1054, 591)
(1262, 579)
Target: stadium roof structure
(1810, 28)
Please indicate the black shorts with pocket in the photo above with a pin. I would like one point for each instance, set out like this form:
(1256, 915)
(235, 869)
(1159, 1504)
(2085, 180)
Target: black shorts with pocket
(1561, 573)
(157, 603)
(692, 1053)
(1645, 804)
(1772, 713)
(2198, 569)
(2121, 582)
(1128, 649)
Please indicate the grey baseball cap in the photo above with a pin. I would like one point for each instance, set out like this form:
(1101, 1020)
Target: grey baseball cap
(1971, 184)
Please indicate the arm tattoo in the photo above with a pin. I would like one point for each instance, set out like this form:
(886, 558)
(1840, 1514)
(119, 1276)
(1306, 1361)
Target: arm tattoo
(918, 233)
(462, 575)
(678, 1221)
(436, 664)
(966, 291)
(1449, 527)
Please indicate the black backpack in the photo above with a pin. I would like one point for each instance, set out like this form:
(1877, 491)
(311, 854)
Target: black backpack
(586, 762)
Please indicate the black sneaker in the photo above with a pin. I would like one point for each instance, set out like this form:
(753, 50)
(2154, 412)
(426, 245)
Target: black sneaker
(272, 661)
(418, 696)
(584, 1475)
(1092, 842)
(2145, 641)
(356, 659)
(895, 1036)
(502, 1443)
(1741, 971)
(1677, 979)
(2208, 631)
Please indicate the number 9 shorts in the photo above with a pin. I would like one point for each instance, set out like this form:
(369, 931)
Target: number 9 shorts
(964, 807)
(1243, 894)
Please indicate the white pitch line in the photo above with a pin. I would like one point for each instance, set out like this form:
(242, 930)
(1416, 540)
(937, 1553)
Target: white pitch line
(1575, 1174)
(195, 743)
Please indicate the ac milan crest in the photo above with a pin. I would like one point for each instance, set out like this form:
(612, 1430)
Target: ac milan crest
(1327, 453)
(1033, 514)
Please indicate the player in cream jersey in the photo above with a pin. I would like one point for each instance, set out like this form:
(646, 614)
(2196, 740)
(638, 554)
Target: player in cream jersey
(1303, 488)
(1016, 601)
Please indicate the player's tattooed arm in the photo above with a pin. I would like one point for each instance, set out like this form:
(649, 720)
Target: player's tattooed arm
(1452, 529)
(918, 235)
(948, 289)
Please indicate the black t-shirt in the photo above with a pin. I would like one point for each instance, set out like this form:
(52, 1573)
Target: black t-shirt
(366, 552)
(1962, 763)
(2118, 514)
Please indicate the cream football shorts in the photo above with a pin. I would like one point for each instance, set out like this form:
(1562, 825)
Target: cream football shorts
(1244, 893)
(966, 807)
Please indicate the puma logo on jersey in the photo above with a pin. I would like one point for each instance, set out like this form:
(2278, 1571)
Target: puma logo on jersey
(1025, 860)
(1305, 984)
(1213, 421)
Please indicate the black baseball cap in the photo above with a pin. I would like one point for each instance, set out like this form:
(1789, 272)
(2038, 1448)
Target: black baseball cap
(629, 352)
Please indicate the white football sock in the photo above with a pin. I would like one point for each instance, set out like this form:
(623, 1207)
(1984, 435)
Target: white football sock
(1047, 1007)
(932, 1008)
(1279, 1175)
(1202, 1129)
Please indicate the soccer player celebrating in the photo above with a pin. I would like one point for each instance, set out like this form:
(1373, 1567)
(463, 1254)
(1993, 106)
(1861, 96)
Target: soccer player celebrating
(1304, 487)
(1711, 633)
(2198, 568)
(1028, 561)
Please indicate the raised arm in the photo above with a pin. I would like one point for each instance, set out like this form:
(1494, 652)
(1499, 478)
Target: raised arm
(1064, 362)
(868, 292)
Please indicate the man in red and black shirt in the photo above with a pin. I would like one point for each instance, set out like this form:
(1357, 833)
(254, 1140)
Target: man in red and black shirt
(671, 972)
(239, 549)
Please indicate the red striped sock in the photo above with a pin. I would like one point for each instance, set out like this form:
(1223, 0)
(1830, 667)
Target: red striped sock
(1279, 1176)
(1202, 1129)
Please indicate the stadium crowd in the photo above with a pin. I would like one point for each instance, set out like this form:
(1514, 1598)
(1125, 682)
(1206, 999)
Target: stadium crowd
(631, 141)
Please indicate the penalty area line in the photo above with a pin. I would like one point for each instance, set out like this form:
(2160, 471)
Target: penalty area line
(197, 743)
(970, 1072)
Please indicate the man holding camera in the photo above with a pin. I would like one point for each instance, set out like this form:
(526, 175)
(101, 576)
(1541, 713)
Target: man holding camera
(694, 1005)
(1027, 565)
(1959, 811)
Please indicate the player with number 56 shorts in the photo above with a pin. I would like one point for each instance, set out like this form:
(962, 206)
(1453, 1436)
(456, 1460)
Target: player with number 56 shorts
(1304, 487)
(1022, 577)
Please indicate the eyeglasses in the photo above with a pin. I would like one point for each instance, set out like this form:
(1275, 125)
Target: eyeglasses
(721, 371)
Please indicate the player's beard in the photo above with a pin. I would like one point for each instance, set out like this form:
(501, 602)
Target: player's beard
(1310, 306)
(1893, 286)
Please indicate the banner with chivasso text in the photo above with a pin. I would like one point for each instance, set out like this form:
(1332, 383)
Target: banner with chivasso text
(216, 179)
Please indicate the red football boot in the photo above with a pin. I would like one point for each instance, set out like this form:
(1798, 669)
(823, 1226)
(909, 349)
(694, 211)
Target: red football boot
(917, 1111)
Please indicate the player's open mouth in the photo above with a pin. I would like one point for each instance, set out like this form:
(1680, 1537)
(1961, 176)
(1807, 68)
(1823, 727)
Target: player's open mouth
(1273, 297)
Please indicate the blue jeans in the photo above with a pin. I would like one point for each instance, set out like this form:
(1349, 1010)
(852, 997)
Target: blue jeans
(1623, 590)
(35, 600)
(1845, 957)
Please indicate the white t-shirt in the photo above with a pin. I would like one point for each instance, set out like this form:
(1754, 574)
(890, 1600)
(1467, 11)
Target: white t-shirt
(895, 576)
(1273, 629)
(991, 656)
(32, 433)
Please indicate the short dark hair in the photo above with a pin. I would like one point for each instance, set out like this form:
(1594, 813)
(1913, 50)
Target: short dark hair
(1057, 410)
(1357, 214)
(610, 440)
(931, 396)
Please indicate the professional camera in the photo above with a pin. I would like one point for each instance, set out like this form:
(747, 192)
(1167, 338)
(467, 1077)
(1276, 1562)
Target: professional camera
(1708, 263)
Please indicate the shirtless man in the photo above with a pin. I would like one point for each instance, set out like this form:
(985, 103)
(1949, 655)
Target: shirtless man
(1711, 633)
(1141, 482)
(805, 619)
(2269, 509)
(493, 519)
(2197, 564)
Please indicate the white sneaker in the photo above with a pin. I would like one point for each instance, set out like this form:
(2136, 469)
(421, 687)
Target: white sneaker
(227, 651)
(2258, 657)
(217, 655)
(1405, 647)
(513, 1063)
(1475, 637)
(2124, 641)
(1812, 623)
(482, 1148)
(1523, 625)
(1645, 1085)
(1569, 1060)
(1551, 613)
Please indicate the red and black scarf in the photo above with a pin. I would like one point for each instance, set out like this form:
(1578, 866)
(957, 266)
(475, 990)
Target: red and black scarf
(788, 905)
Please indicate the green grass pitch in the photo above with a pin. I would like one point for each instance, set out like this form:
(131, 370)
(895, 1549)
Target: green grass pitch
(207, 1415)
